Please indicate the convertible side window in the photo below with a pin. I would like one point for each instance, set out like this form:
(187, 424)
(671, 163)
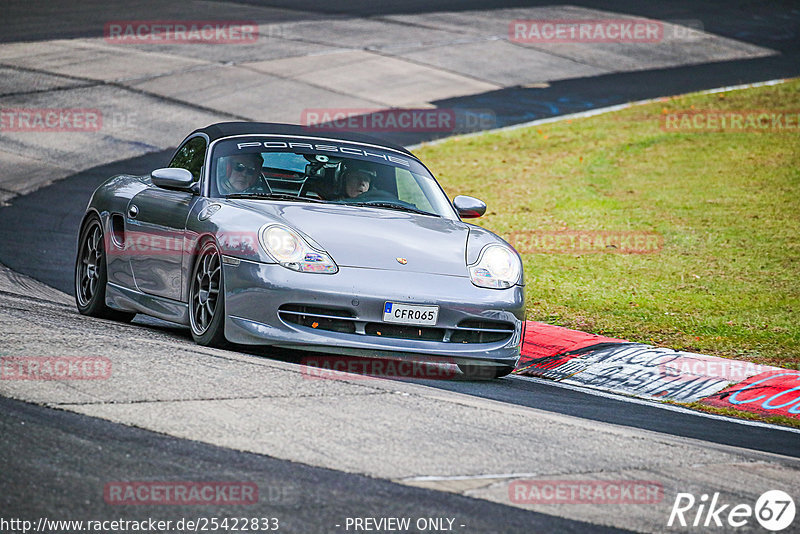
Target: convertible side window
(409, 190)
(191, 156)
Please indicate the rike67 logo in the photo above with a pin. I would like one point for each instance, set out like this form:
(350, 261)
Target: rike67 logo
(774, 510)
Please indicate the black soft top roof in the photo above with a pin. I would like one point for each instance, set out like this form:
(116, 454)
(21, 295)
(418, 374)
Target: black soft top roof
(227, 129)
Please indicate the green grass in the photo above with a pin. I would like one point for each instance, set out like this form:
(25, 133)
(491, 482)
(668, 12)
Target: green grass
(731, 412)
(727, 279)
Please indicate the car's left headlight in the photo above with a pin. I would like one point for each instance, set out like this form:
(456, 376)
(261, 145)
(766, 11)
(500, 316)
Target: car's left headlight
(293, 252)
(498, 267)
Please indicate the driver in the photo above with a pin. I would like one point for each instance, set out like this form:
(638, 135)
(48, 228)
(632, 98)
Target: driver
(242, 174)
(356, 182)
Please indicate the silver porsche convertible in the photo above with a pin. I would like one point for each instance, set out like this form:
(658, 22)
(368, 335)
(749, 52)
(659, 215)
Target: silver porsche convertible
(274, 234)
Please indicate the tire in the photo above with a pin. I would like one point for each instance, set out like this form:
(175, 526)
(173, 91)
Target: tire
(91, 275)
(207, 299)
(481, 371)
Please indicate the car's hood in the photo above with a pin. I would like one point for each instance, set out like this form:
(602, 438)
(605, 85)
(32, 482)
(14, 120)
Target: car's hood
(378, 238)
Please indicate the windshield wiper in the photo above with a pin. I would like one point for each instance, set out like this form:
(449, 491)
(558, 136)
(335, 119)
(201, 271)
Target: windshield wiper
(274, 196)
(391, 206)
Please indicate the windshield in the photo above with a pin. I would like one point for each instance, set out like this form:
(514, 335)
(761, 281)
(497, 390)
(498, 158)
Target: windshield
(329, 172)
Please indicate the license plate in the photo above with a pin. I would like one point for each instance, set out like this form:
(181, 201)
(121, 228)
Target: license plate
(394, 312)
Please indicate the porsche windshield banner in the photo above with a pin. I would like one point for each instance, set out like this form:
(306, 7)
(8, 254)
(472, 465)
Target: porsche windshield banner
(327, 147)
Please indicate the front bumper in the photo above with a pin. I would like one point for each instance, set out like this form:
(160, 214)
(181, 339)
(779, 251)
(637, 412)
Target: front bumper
(254, 292)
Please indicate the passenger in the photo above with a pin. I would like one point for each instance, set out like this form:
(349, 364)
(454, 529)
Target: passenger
(356, 182)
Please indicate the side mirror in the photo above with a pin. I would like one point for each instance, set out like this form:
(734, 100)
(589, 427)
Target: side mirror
(173, 178)
(469, 207)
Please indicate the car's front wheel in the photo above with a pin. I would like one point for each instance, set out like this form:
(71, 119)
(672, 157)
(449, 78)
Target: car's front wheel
(206, 299)
(91, 274)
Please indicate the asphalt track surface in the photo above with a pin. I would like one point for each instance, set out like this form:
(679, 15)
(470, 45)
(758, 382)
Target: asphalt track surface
(88, 450)
(774, 25)
(51, 461)
(59, 464)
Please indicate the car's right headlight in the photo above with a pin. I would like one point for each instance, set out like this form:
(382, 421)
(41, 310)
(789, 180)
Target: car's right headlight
(293, 252)
(498, 267)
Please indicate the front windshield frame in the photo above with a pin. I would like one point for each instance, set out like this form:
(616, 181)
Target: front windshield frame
(369, 155)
